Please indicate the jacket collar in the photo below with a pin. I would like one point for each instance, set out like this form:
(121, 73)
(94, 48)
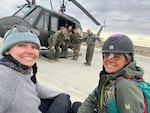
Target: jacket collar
(10, 62)
(130, 69)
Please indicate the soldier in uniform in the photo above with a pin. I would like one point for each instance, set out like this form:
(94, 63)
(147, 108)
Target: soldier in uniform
(76, 41)
(56, 41)
(90, 40)
(50, 55)
(66, 42)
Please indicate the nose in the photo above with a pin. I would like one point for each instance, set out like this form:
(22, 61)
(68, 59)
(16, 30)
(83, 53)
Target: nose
(111, 55)
(29, 49)
(111, 59)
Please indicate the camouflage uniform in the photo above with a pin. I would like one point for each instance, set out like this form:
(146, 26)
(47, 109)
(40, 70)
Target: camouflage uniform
(76, 41)
(65, 44)
(51, 50)
(57, 41)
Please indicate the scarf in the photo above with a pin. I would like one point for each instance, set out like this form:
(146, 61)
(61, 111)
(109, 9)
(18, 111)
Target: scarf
(10, 62)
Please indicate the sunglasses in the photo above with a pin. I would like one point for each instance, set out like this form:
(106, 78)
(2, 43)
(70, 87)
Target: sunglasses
(23, 28)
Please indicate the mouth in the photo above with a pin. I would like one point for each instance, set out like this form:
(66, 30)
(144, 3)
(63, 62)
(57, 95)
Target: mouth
(28, 58)
(110, 65)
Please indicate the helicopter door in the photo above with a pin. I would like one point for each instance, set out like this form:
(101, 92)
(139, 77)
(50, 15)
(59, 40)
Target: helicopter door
(43, 27)
(65, 22)
(54, 24)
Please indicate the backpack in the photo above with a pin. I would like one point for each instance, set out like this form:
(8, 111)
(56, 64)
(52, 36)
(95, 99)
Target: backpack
(145, 88)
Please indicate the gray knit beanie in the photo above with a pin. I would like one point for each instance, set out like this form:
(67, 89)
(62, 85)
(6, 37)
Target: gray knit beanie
(13, 36)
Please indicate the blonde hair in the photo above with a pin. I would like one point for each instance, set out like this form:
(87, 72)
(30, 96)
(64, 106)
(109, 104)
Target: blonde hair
(127, 57)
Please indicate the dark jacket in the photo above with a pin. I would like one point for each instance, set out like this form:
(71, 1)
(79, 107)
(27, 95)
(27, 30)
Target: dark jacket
(128, 96)
(90, 39)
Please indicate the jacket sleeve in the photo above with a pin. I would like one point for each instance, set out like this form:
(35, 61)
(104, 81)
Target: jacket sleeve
(5, 103)
(95, 37)
(46, 92)
(55, 37)
(98, 39)
(129, 97)
(88, 105)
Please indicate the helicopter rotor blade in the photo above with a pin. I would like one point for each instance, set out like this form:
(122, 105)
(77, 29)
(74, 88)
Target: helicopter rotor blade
(33, 2)
(85, 11)
(101, 28)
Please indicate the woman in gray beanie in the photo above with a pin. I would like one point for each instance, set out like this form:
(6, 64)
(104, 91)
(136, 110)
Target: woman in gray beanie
(20, 91)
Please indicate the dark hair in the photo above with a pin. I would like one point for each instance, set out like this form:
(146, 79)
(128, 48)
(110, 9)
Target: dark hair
(34, 68)
(128, 57)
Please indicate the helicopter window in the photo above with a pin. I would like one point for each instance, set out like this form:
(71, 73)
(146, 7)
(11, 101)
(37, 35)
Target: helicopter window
(43, 22)
(54, 23)
(23, 12)
(40, 23)
(32, 16)
(46, 21)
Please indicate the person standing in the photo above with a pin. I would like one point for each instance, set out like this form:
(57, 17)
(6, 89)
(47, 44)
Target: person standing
(51, 52)
(76, 41)
(90, 41)
(66, 42)
(21, 92)
(117, 91)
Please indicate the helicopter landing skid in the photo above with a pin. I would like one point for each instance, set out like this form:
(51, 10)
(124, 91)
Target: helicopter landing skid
(46, 55)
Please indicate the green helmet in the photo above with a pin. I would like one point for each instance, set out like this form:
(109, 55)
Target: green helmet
(118, 43)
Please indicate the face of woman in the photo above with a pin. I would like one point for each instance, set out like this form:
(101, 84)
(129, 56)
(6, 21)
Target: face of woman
(114, 62)
(26, 53)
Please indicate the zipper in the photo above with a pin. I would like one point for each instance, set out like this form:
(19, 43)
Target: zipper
(101, 95)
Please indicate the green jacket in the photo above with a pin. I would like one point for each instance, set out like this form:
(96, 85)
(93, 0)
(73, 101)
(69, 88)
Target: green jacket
(75, 38)
(124, 93)
(90, 39)
(57, 38)
(67, 36)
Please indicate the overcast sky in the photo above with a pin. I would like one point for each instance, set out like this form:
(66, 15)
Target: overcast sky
(126, 16)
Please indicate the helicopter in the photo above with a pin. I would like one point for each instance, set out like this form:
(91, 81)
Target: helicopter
(46, 21)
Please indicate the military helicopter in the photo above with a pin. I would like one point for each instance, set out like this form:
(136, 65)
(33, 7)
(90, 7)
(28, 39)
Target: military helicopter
(45, 21)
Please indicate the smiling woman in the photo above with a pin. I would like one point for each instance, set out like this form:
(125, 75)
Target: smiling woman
(118, 79)
(26, 53)
(18, 69)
